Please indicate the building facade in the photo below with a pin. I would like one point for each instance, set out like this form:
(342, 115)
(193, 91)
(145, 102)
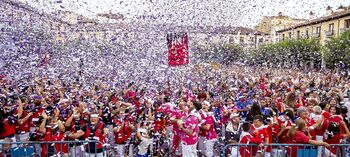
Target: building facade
(245, 37)
(66, 26)
(271, 24)
(322, 28)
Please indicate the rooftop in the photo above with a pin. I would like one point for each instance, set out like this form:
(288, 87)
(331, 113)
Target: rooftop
(334, 15)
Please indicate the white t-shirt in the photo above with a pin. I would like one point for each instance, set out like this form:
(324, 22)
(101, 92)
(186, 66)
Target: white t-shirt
(143, 146)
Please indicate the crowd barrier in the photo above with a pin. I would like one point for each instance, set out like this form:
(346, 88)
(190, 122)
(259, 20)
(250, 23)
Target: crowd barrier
(85, 148)
(285, 150)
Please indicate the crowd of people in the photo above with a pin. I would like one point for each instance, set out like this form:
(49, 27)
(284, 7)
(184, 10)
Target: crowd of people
(196, 115)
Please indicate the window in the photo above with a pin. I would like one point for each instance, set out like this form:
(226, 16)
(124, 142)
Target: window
(298, 34)
(231, 40)
(331, 27)
(318, 31)
(347, 23)
(283, 36)
(241, 39)
(290, 34)
(330, 31)
(307, 34)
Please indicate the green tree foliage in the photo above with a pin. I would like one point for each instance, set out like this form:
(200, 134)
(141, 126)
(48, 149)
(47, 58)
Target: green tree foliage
(289, 53)
(337, 51)
(223, 54)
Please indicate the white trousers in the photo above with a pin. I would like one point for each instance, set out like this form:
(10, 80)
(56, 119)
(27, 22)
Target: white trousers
(234, 152)
(120, 149)
(201, 144)
(95, 154)
(77, 151)
(276, 153)
(209, 147)
(329, 153)
(189, 150)
(319, 148)
(22, 137)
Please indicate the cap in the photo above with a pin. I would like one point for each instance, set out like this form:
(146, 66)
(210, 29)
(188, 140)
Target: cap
(94, 115)
(233, 115)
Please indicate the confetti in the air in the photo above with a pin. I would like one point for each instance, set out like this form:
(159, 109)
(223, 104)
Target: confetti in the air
(174, 77)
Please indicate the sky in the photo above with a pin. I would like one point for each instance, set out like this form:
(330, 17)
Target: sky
(193, 12)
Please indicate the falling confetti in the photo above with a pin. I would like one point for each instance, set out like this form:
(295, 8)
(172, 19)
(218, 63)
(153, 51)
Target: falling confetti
(112, 57)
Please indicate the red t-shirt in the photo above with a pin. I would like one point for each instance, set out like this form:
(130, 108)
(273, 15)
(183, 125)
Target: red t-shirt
(283, 121)
(60, 147)
(73, 128)
(36, 115)
(258, 133)
(98, 135)
(46, 137)
(9, 131)
(25, 127)
(337, 119)
(121, 136)
(309, 123)
(335, 140)
(247, 138)
(298, 138)
(272, 132)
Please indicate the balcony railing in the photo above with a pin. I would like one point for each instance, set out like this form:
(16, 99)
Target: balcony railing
(329, 33)
(316, 35)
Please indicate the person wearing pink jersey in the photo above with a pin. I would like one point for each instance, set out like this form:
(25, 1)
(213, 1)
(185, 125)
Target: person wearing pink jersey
(179, 113)
(190, 129)
(207, 125)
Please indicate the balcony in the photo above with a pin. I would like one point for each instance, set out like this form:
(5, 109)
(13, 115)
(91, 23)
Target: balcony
(329, 33)
(342, 30)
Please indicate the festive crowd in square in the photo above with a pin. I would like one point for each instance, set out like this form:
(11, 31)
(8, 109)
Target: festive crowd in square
(193, 116)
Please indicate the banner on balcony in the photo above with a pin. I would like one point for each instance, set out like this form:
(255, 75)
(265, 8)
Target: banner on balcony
(177, 49)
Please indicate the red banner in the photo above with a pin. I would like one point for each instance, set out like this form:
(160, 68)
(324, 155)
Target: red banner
(177, 49)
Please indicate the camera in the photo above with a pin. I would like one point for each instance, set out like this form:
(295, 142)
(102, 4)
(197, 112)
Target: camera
(77, 122)
(12, 119)
(49, 110)
(34, 136)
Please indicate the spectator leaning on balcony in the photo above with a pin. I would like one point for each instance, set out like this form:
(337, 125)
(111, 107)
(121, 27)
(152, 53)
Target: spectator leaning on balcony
(49, 127)
(333, 135)
(95, 130)
(121, 132)
(9, 132)
(247, 138)
(73, 124)
(24, 119)
(299, 134)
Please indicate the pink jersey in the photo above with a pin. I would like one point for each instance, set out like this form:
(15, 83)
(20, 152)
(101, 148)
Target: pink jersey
(192, 122)
(211, 133)
(177, 114)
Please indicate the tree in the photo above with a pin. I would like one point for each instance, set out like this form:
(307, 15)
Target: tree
(223, 53)
(291, 53)
(337, 51)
